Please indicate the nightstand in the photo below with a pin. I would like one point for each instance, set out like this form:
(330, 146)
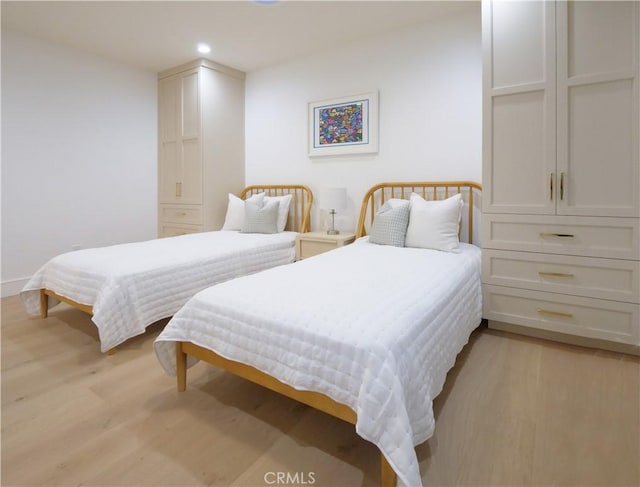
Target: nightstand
(314, 243)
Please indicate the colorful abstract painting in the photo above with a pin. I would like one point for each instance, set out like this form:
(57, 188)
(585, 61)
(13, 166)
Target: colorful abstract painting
(344, 125)
(340, 124)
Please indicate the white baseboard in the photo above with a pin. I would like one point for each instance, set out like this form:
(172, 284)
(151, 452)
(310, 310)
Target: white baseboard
(13, 286)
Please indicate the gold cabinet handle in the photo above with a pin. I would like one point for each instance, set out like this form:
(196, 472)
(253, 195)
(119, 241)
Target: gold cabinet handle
(555, 274)
(551, 186)
(561, 186)
(178, 189)
(558, 314)
(562, 235)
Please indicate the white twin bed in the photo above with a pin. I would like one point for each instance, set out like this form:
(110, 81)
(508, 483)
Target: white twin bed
(127, 287)
(366, 333)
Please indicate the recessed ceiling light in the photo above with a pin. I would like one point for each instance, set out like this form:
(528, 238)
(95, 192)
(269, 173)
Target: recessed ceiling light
(203, 48)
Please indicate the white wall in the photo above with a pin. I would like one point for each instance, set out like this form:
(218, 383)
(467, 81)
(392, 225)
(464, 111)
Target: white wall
(430, 85)
(79, 154)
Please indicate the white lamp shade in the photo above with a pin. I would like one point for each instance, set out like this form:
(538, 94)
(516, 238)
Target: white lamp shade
(334, 198)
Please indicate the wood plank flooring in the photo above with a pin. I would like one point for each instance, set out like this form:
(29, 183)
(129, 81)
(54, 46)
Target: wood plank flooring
(515, 411)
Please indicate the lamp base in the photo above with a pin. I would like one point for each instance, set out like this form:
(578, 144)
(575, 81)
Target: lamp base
(332, 230)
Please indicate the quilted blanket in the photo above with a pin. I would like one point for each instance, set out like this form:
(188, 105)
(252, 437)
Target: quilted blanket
(133, 285)
(371, 326)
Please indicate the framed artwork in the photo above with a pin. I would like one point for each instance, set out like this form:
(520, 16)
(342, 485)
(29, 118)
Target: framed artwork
(346, 125)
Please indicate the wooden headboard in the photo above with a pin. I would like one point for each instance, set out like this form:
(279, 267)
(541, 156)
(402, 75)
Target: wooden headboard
(300, 210)
(440, 190)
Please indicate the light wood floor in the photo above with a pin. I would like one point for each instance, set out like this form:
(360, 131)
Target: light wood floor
(515, 411)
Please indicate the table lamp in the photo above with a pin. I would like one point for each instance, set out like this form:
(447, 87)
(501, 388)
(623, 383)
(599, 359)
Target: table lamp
(334, 199)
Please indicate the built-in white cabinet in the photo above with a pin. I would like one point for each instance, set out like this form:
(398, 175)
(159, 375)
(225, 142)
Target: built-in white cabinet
(561, 169)
(200, 145)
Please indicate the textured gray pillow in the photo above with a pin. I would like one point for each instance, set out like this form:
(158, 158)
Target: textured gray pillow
(260, 218)
(390, 224)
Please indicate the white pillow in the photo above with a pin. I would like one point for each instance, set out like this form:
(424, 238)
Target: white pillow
(234, 218)
(283, 209)
(434, 224)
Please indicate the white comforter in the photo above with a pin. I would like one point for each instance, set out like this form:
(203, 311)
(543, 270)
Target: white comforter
(133, 285)
(371, 326)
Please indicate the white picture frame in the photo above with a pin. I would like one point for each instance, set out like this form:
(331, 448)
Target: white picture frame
(347, 125)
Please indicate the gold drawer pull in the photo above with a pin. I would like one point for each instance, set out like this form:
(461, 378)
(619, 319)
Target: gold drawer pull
(563, 235)
(551, 186)
(554, 313)
(555, 274)
(184, 213)
(178, 189)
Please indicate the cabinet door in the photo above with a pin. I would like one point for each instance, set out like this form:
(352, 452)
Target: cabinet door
(598, 126)
(180, 153)
(168, 140)
(519, 143)
(190, 190)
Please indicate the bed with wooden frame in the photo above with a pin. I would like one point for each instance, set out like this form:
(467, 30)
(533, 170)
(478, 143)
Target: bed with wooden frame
(298, 221)
(188, 351)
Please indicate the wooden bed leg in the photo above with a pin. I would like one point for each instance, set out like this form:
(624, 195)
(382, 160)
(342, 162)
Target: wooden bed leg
(388, 477)
(44, 304)
(181, 367)
(111, 351)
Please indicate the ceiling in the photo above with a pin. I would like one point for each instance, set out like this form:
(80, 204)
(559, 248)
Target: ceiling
(244, 34)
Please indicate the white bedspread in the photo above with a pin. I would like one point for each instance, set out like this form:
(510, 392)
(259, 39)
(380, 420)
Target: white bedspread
(371, 326)
(133, 285)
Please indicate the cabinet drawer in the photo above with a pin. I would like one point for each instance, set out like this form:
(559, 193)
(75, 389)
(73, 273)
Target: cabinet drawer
(581, 276)
(587, 317)
(616, 238)
(173, 230)
(181, 214)
(309, 248)
(314, 243)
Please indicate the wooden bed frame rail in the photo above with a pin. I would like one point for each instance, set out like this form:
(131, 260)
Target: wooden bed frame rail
(314, 399)
(44, 307)
(44, 303)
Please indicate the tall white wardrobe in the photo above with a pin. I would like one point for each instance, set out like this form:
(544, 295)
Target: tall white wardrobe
(561, 170)
(200, 145)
